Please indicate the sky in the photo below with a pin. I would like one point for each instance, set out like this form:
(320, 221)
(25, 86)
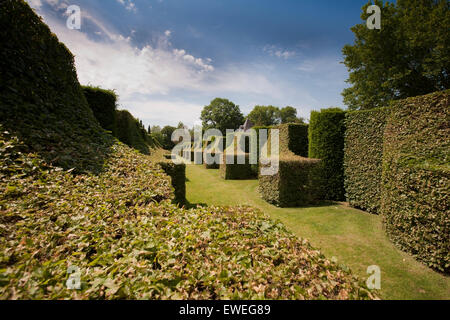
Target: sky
(167, 59)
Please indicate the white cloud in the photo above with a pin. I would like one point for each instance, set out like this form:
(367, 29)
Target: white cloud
(128, 4)
(278, 52)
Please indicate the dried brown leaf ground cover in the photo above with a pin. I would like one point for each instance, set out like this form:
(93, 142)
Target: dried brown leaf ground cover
(129, 241)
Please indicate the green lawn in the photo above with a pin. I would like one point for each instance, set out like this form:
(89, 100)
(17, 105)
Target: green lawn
(355, 238)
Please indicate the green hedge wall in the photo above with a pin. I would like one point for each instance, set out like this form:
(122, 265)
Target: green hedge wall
(41, 100)
(363, 158)
(103, 104)
(177, 173)
(294, 138)
(130, 132)
(211, 166)
(294, 185)
(416, 178)
(238, 171)
(326, 142)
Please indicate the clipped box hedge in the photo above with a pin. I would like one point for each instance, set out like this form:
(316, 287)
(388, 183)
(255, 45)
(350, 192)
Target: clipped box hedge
(363, 158)
(103, 105)
(130, 132)
(326, 142)
(294, 138)
(41, 100)
(294, 185)
(237, 171)
(177, 174)
(416, 178)
(212, 165)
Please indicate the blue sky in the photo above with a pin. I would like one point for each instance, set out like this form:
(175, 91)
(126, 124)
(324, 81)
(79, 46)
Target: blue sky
(167, 59)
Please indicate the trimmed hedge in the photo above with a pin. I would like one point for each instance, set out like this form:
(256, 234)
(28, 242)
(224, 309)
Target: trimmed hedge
(41, 100)
(416, 178)
(294, 185)
(177, 173)
(237, 171)
(103, 104)
(129, 131)
(294, 138)
(363, 158)
(326, 142)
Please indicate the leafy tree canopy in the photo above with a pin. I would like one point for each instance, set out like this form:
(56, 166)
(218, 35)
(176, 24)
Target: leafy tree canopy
(221, 114)
(270, 115)
(409, 56)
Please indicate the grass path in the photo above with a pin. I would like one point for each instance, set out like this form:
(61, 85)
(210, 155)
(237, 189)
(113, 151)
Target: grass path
(355, 238)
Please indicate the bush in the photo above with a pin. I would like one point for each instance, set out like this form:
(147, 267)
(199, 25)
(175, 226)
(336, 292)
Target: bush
(103, 104)
(294, 185)
(130, 132)
(326, 142)
(294, 138)
(177, 173)
(41, 100)
(363, 158)
(213, 165)
(237, 171)
(416, 178)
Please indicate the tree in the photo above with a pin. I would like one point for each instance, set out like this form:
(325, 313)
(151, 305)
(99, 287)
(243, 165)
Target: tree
(149, 130)
(156, 129)
(222, 114)
(264, 115)
(167, 142)
(289, 115)
(409, 56)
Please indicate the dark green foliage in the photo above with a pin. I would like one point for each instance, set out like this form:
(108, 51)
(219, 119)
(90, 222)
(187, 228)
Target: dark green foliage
(103, 104)
(41, 100)
(222, 114)
(213, 165)
(177, 173)
(326, 142)
(409, 56)
(294, 138)
(167, 142)
(294, 185)
(237, 171)
(416, 178)
(363, 157)
(130, 132)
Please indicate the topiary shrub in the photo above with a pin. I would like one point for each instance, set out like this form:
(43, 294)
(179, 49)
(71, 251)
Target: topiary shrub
(363, 157)
(237, 171)
(103, 104)
(177, 173)
(294, 185)
(41, 100)
(326, 142)
(294, 138)
(213, 165)
(130, 132)
(416, 178)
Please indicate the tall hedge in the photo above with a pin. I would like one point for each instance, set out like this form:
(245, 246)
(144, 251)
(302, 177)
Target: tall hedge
(416, 178)
(294, 138)
(41, 100)
(130, 132)
(363, 157)
(326, 142)
(103, 103)
(295, 184)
